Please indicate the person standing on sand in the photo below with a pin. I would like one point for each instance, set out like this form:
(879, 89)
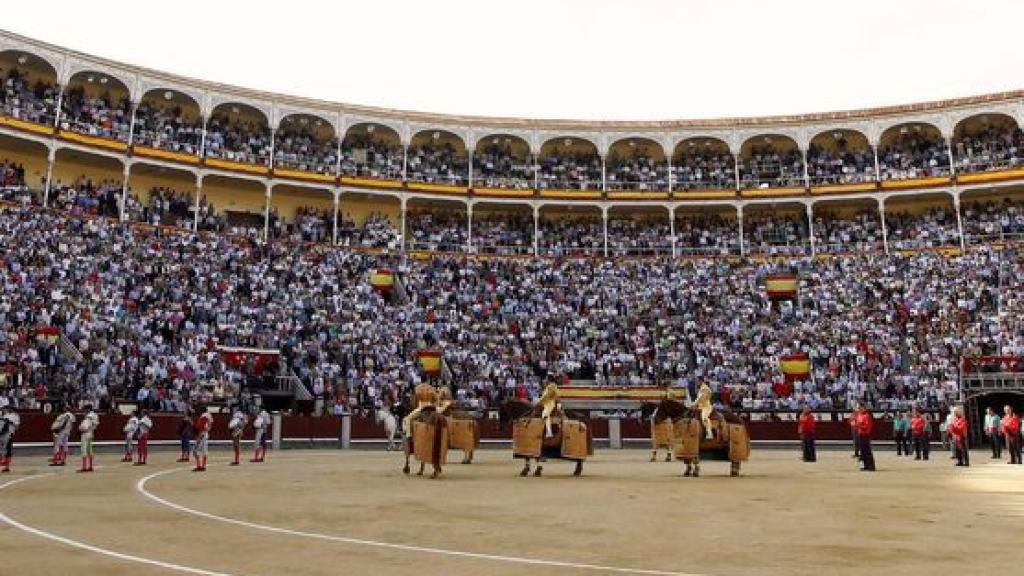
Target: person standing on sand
(958, 434)
(921, 431)
(806, 427)
(865, 425)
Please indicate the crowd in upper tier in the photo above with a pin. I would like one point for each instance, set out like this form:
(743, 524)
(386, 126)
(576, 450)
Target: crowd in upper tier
(143, 313)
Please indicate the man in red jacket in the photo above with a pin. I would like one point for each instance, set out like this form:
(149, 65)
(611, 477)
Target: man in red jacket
(805, 427)
(865, 425)
(920, 431)
(958, 432)
(1010, 427)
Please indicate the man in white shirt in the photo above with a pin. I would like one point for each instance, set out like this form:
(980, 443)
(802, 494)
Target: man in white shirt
(131, 428)
(61, 429)
(142, 433)
(237, 428)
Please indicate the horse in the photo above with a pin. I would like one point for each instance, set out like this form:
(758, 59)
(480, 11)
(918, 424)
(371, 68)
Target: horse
(390, 422)
(662, 415)
(463, 432)
(427, 440)
(729, 440)
(529, 443)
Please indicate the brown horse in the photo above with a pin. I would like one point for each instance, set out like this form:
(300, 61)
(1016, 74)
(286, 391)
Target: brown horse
(729, 439)
(463, 432)
(571, 440)
(427, 441)
(662, 415)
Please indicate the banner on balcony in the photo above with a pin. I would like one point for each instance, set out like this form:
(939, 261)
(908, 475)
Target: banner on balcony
(382, 279)
(781, 286)
(430, 362)
(250, 361)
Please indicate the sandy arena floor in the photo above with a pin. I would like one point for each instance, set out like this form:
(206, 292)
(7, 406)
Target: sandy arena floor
(305, 512)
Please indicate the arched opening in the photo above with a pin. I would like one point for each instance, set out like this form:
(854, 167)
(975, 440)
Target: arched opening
(503, 161)
(921, 221)
(97, 104)
(301, 214)
(238, 133)
(987, 143)
(169, 120)
(436, 225)
(233, 206)
(85, 183)
(569, 164)
(637, 164)
(639, 231)
(306, 143)
(776, 229)
(845, 226)
(503, 229)
(22, 170)
(912, 150)
(703, 164)
(771, 161)
(570, 231)
(707, 231)
(437, 157)
(161, 196)
(993, 215)
(372, 151)
(369, 221)
(30, 87)
(840, 157)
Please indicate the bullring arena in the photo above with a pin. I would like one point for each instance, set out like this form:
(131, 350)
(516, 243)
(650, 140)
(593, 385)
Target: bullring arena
(251, 333)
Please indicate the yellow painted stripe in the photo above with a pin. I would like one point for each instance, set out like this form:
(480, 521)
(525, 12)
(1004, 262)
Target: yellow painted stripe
(503, 193)
(439, 188)
(638, 195)
(844, 188)
(704, 195)
(773, 192)
(165, 155)
(236, 166)
(571, 194)
(371, 182)
(94, 141)
(990, 176)
(26, 125)
(914, 183)
(302, 175)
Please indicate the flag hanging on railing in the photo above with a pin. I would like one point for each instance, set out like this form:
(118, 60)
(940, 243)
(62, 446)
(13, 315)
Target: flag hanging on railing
(795, 366)
(782, 286)
(430, 361)
(382, 279)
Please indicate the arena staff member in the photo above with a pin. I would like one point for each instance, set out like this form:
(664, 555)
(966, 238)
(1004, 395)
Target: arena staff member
(921, 430)
(145, 425)
(88, 430)
(865, 425)
(131, 428)
(61, 429)
(262, 426)
(806, 427)
(185, 428)
(901, 434)
(1010, 427)
(958, 434)
(237, 427)
(9, 423)
(992, 430)
(202, 447)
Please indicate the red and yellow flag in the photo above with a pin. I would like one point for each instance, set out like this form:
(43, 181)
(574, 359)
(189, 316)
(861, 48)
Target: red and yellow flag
(781, 285)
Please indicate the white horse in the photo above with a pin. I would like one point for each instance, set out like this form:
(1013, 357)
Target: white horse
(384, 416)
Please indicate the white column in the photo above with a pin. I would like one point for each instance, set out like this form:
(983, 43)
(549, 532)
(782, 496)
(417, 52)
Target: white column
(195, 205)
(672, 229)
(405, 168)
(202, 141)
(736, 170)
(885, 232)
(337, 163)
(878, 168)
(959, 218)
(469, 182)
(739, 221)
(266, 216)
(51, 157)
(952, 166)
(536, 231)
(671, 176)
(807, 176)
(469, 228)
(131, 126)
(536, 172)
(401, 233)
(334, 228)
(604, 181)
(124, 192)
(273, 135)
(604, 220)
(810, 229)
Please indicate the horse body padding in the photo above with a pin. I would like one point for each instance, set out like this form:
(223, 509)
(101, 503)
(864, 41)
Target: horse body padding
(661, 434)
(463, 434)
(687, 433)
(527, 437)
(429, 443)
(575, 441)
(739, 443)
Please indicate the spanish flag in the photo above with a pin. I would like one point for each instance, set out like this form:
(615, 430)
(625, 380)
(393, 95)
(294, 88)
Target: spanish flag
(781, 286)
(382, 279)
(795, 365)
(430, 361)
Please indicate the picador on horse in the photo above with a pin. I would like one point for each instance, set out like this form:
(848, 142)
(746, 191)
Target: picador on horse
(544, 430)
(434, 426)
